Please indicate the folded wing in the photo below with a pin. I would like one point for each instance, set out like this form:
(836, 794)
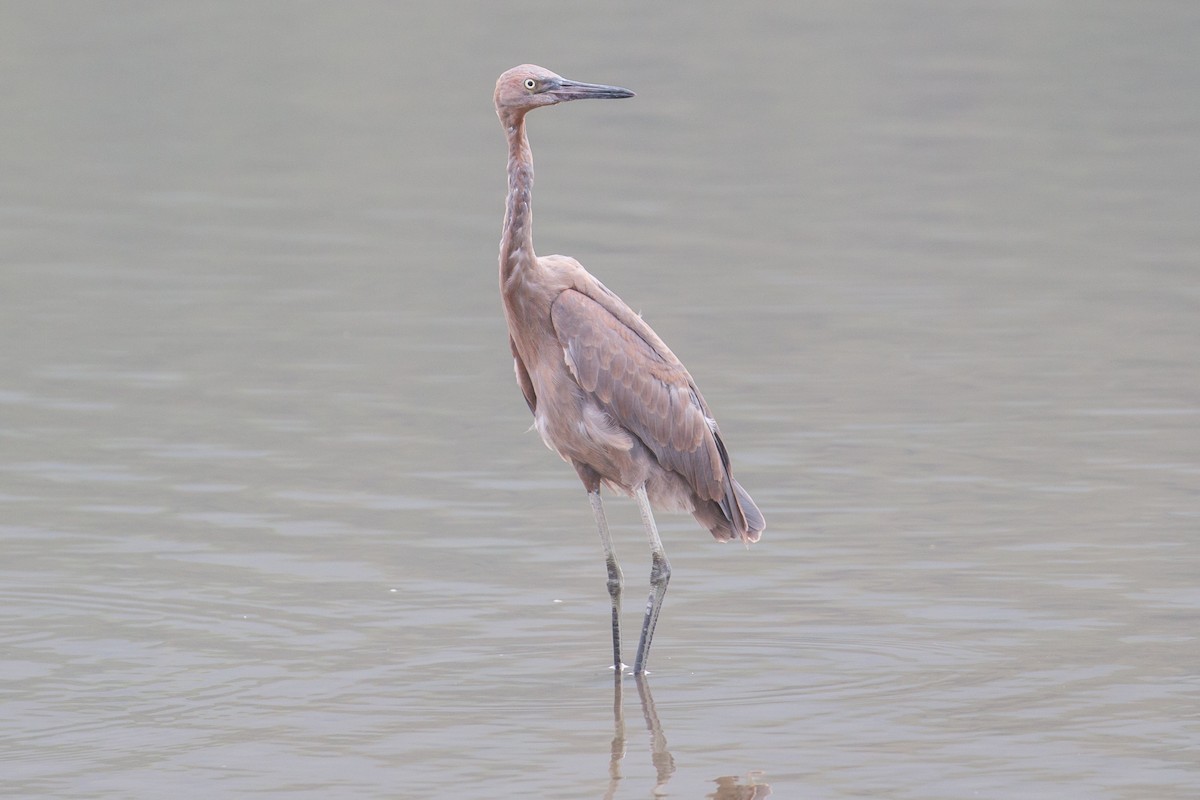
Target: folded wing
(635, 378)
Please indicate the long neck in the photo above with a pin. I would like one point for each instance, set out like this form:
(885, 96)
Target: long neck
(516, 243)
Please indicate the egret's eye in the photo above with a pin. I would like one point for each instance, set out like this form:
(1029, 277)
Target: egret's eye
(530, 84)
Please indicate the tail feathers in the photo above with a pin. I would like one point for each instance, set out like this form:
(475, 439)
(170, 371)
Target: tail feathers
(741, 521)
(755, 524)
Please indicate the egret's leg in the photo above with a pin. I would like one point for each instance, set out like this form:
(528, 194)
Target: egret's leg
(660, 575)
(614, 576)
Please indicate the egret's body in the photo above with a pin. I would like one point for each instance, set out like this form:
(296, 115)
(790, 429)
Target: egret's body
(605, 391)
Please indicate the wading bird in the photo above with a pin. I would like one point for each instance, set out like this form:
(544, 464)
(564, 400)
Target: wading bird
(606, 393)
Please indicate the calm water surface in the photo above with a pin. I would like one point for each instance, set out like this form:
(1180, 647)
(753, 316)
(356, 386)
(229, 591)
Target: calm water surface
(270, 519)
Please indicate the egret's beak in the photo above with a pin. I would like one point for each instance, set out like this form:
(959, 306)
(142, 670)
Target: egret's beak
(574, 90)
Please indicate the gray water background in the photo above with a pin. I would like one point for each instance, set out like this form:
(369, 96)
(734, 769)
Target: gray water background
(271, 523)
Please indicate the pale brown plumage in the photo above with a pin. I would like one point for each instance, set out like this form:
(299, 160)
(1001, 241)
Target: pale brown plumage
(605, 391)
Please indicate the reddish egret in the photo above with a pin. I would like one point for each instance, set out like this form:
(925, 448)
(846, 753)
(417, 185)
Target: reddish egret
(606, 393)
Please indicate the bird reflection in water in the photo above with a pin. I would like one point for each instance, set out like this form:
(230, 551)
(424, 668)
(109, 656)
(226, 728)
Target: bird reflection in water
(728, 787)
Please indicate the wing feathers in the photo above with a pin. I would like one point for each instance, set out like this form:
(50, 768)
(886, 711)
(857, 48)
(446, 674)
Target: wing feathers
(644, 387)
(645, 390)
(523, 377)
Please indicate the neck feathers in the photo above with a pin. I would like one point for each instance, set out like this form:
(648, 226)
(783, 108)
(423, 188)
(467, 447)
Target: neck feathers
(516, 245)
